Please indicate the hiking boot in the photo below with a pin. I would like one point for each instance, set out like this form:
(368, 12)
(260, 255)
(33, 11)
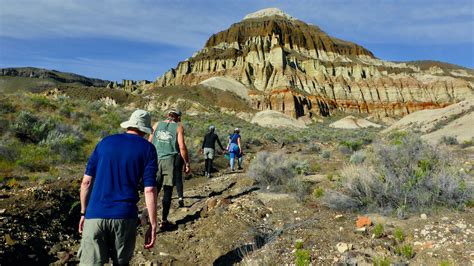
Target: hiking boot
(240, 168)
(164, 226)
(181, 203)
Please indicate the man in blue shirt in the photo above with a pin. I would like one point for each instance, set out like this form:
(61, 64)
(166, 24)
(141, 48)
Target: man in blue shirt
(109, 194)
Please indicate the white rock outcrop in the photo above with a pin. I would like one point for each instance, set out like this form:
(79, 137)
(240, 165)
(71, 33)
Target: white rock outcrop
(271, 118)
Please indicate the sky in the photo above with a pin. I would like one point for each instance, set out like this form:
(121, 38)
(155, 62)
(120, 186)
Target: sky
(142, 39)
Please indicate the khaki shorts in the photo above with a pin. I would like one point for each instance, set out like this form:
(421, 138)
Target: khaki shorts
(168, 172)
(107, 238)
(208, 153)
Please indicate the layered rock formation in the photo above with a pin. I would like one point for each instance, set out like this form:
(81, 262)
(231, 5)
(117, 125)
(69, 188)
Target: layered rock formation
(298, 69)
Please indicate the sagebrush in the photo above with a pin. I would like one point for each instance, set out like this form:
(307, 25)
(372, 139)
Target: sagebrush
(403, 174)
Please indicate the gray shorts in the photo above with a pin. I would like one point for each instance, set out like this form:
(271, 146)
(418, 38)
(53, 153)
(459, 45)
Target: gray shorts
(107, 238)
(209, 153)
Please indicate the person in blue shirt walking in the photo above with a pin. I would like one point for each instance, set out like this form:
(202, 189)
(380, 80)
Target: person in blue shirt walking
(235, 149)
(109, 194)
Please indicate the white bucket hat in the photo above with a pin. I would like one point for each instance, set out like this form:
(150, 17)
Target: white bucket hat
(140, 119)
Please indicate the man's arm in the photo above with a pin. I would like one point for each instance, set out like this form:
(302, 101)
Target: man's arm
(150, 201)
(182, 147)
(219, 142)
(84, 195)
(150, 137)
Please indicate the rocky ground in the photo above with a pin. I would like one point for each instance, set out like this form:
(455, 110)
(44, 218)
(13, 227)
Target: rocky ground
(228, 219)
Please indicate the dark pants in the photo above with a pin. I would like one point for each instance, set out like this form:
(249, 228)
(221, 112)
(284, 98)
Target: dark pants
(208, 166)
(167, 193)
(170, 174)
(179, 176)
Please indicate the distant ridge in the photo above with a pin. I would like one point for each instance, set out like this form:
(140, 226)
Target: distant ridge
(61, 77)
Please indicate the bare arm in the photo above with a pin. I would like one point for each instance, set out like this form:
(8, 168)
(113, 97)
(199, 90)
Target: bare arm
(84, 196)
(182, 147)
(240, 147)
(150, 137)
(150, 201)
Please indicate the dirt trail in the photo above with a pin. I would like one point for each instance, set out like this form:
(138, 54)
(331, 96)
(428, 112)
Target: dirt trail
(228, 220)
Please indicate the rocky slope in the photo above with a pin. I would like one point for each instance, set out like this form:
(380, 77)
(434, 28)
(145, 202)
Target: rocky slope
(298, 69)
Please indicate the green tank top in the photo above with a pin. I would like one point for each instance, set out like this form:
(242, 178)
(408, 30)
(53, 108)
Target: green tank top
(165, 139)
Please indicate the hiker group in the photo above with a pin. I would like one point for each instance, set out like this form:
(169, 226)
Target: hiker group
(120, 164)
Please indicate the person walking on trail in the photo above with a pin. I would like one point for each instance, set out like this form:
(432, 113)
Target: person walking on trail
(168, 139)
(109, 194)
(235, 149)
(208, 149)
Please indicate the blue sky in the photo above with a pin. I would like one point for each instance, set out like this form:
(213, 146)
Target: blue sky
(141, 39)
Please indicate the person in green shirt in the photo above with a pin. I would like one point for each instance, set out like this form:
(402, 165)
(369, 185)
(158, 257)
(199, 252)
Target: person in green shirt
(168, 138)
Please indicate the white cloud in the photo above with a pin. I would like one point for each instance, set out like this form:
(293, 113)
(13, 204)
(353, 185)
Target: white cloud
(190, 23)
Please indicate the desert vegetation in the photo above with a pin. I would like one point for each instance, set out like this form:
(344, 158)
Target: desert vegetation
(402, 174)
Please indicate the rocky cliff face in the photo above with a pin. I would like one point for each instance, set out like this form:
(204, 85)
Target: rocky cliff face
(300, 70)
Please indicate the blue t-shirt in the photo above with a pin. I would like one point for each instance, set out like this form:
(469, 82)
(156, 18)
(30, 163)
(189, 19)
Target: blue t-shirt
(117, 165)
(233, 138)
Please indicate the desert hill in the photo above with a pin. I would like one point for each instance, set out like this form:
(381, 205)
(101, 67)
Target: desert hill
(300, 70)
(45, 77)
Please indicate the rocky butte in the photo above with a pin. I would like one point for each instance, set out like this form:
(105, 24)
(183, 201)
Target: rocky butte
(298, 69)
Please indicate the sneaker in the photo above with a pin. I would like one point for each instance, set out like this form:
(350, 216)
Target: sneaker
(181, 203)
(205, 174)
(240, 168)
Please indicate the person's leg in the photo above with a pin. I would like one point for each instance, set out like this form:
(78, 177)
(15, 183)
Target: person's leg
(232, 160)
(206, 166)
(211, 158)
(94, 244)
(178, 175)
(239, 161)
(209, 170)
(167, 193)
(125, 233)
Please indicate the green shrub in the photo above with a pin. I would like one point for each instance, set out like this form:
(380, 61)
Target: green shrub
(406, 176)
(274, 169)
(326, 154)
(35, 158)
(6, 107)
(28, 127)
(405, 251)
(318, 192)
(298, 187)
(470, 203)
(330, 177)
(66, 142)
(445, 263)
(350, 146)
(467, 143)
(39, 102)
(314, 167)
(12, 183)
(313, 148)
(299, 244)
(379, 230)
(398, 235)
(382, 261)
(302, 256)
(358, 157)
(449, 140)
